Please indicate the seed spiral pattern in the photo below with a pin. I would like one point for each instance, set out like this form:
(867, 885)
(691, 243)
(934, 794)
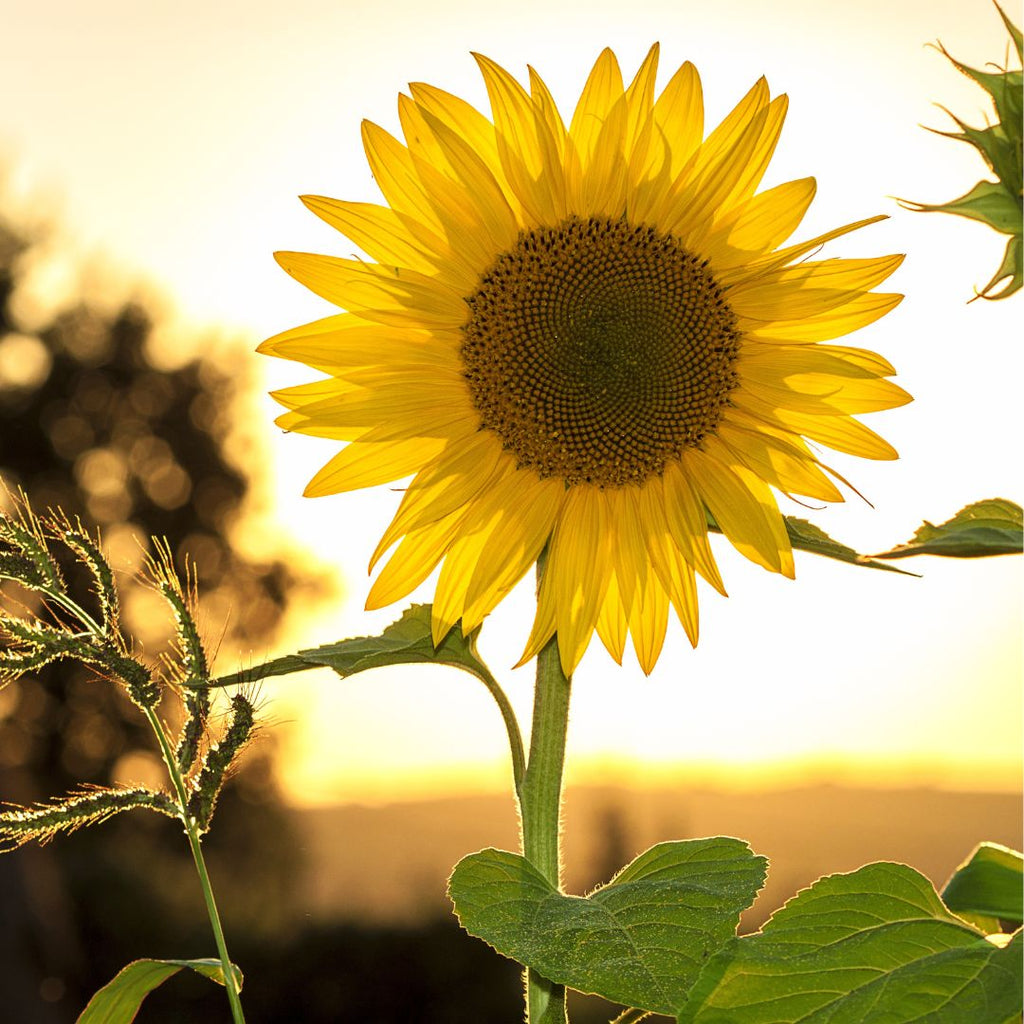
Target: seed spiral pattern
(598, 350)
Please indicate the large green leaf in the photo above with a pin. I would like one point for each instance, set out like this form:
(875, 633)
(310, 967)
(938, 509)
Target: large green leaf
(989, 882)
(119, 1000)
(993, 527)
(872, 947)
(640, 940)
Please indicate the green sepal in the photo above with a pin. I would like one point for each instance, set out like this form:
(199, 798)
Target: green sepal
(1012, 267)
(1015, 33)
(876, 945)
(641, 940)
(990, 883)
(991, 527)
(998, 203)
(988, 202)
(119, 1000)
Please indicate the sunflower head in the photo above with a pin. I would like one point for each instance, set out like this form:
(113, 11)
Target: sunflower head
(588, 339)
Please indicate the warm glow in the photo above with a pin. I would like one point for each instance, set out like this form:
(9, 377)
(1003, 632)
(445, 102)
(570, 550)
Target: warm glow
(180, 161)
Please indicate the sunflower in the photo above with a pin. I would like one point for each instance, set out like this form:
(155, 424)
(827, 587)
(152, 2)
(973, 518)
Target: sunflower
(584, 339)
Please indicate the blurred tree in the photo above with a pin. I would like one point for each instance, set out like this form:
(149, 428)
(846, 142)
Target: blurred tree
(90, 423)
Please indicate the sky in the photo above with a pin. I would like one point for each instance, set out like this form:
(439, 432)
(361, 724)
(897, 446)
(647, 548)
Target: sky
(170, 142)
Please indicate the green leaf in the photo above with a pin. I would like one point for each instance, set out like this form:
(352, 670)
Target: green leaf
(992, 527)
(872, 947)
(119, 1000)
(805, 536)
(990, 882)
(405, 642)
(640, 940)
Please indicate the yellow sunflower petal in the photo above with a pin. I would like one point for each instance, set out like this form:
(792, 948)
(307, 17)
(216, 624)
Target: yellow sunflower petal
(759, 225)
(577, 571)
(521, 156)
(835, 431)
(515, 544)
(391, 295)
(850, 316)
(390, 238)
(483, 193)
(414, 560)
(366, 465)
(743, 506)
(612, 624)
(452, 481)
(808, 289)
(782, 465)
(679, 115)
(640, 98)
(648, 620)
(393, 170)
(682, 592)
(602, 94)
(462, 118)
(344, 341)
(687, 523)
(494, 539)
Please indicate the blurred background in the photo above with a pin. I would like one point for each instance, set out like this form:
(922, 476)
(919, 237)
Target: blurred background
(149, 160)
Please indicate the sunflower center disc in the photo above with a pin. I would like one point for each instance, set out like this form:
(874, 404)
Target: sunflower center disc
(598, 351)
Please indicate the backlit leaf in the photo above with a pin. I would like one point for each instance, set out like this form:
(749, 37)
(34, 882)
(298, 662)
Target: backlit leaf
(989, 882)
(992, 527)
(872, 947)
(119, 1000)
(640, 940)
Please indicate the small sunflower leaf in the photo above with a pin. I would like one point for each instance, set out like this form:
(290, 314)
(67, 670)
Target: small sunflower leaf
(874, 945)
(990, 883)
(405, 642)
(641, 940)
(119, 1000)
(805, 536)
(992, 527)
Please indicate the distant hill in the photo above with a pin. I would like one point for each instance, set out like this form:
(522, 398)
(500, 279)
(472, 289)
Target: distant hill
(389, 864)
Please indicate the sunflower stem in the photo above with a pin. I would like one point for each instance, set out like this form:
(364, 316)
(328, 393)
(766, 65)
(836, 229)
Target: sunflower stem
(540, 806)
(192, 830)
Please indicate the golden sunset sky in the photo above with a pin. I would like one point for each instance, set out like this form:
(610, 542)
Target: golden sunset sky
(170, 141)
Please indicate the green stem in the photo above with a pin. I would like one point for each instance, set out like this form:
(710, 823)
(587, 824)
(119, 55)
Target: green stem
(515, 739)
(191, 827)
(540, 804)
(192, 831)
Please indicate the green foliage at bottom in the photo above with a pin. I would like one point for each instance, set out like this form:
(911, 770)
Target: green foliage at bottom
(641, 939)
(990, 882)
(119, 1000)
(876, 945)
